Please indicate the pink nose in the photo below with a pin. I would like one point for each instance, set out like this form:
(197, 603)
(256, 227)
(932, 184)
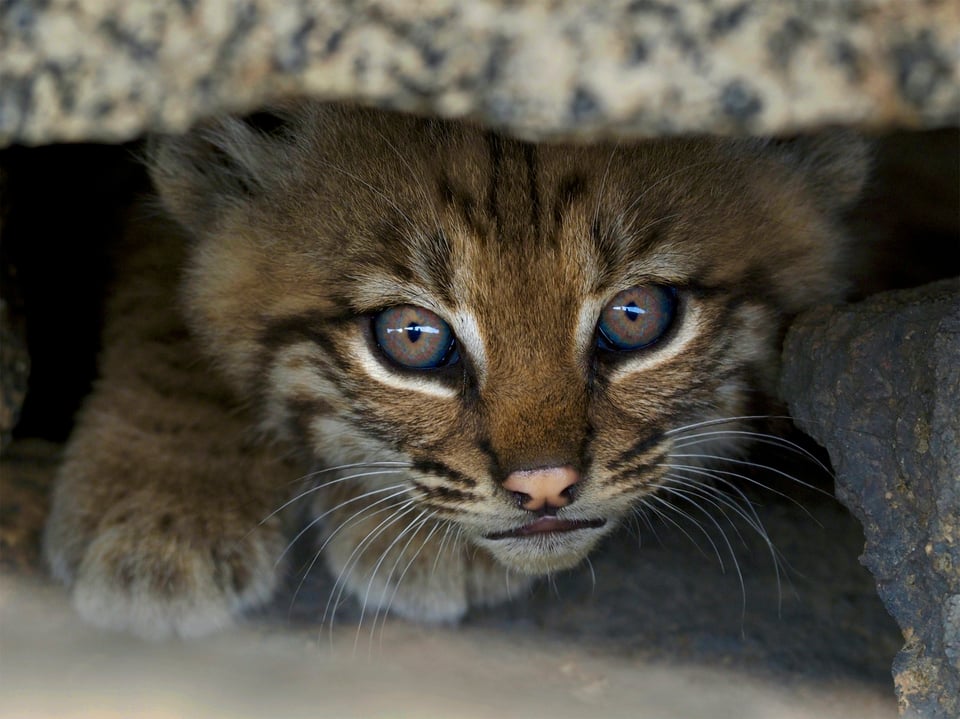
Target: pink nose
(543, 487)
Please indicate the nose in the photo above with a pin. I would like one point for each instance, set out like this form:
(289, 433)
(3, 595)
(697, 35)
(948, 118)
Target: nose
(540, 488)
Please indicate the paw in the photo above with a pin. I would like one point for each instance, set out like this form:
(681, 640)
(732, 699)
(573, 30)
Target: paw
(157, 577)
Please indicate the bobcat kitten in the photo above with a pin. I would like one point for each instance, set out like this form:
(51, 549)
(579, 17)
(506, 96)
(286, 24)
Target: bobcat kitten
(469, 357)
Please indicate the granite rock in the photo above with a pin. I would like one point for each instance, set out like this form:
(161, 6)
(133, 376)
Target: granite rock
(108, 70)
(878, 384)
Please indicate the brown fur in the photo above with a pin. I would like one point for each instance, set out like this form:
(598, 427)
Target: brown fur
(296, 236)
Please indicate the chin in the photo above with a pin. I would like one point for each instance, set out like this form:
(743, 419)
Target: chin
(541, 554)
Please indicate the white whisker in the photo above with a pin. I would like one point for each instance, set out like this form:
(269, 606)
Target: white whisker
(693, 520)
(396, 587)
(768, 468)
(318, 487)
(724, 420)
(414, 527)
(350, 521)
(733, 554)
(339, 585)
(758, 437)
(717, 475)
(593, 576)
(316, 520)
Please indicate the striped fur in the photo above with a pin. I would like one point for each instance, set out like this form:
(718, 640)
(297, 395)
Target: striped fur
(292, 238)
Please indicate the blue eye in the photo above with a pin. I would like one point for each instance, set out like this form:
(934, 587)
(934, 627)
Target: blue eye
(636, 318)
(415, 338)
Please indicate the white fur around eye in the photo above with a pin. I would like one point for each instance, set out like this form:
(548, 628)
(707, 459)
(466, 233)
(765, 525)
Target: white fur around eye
(406, 382)
(688, 327)
(468, 334)
(587, 326)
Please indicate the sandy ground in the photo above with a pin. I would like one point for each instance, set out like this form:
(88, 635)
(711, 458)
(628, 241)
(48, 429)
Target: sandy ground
(654, 628)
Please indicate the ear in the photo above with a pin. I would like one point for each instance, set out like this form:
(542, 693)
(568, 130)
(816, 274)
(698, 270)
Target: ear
(836, 164)
(216, 166)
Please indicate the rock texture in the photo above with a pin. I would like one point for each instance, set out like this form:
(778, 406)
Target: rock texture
(878, 384)
(110, 69)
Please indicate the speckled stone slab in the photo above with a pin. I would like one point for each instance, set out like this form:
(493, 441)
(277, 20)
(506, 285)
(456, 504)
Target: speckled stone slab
(110, 69)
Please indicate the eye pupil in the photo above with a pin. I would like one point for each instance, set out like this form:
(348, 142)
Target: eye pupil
(413, 332)
(636, 318)
(631, 310)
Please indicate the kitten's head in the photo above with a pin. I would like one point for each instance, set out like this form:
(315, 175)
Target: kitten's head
(531, 328)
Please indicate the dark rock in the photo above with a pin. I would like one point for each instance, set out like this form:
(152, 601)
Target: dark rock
(878, 384)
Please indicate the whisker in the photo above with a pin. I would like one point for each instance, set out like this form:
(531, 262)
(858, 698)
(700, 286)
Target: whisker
(725, 420)
(714, 474)
(756, 465)
(746, 512)
(690, 494)
(593, 576)
(318, 487)
(760, 438)
(414, 527)
(733, 554)
(339, 586)
(552, 581)
(636, 516)
(396, 587)
(313, 522)
(653, 223)
(664, 517)
(352, 465)
(719, 495)
(440, 548)
(355, 517)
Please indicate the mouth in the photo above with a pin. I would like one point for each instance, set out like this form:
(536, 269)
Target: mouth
(548, 525)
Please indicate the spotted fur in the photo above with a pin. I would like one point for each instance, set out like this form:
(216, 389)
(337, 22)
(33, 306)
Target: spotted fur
(292, 236)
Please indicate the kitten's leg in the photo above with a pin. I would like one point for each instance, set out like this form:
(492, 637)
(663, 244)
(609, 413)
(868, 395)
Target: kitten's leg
(155, 518)
(391, 555)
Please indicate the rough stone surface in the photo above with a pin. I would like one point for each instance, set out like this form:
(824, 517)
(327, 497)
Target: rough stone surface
(878, 384)
(110, 69)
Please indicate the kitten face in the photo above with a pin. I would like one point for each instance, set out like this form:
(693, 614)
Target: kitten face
(521, 270)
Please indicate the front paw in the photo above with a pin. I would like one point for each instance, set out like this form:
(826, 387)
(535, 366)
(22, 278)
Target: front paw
(167, 575)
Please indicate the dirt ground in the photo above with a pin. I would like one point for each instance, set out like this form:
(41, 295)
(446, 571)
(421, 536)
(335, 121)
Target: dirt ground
(655, 627)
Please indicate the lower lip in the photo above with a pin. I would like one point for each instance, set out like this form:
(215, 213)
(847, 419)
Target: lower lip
(548, 525)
